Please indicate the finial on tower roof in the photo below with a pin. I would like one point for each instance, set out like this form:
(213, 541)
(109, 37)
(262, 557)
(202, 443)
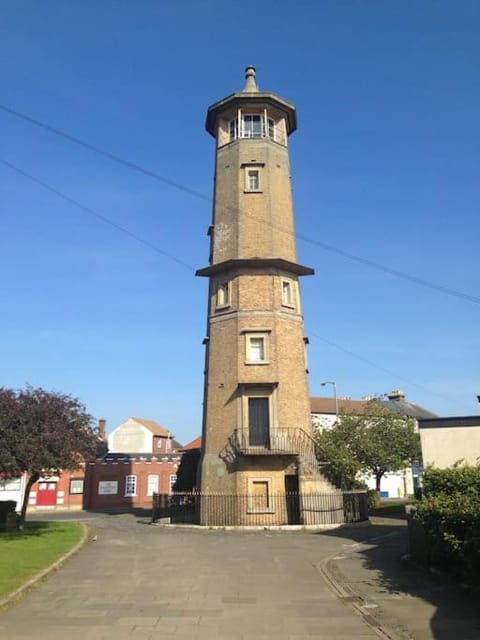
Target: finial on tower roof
(250, 84)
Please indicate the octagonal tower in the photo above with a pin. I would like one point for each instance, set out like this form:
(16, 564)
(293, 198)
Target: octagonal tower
(257, 434)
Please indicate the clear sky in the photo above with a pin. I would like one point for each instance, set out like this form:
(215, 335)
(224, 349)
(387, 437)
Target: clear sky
(385, 166)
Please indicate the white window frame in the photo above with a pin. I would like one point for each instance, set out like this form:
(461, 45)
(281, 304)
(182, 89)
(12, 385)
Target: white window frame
(171, 480)
(290, 299)
(75, 488)
(130, 486)
(253, 180)
(150, 488)
(256, 335)
(222, 295)
(242, 127)
(10, 484)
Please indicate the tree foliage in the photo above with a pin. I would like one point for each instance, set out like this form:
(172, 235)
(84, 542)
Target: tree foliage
(42, 432)
(378, 441)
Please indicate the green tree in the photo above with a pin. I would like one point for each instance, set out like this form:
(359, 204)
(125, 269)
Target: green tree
(43, 432)
(378, 441)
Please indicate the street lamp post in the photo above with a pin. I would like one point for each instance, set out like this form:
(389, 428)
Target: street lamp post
(322, 384)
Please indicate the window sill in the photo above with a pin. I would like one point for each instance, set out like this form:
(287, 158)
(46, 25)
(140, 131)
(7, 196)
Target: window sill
(253, 191)
(288, 306)
(257, 511)
(261, 363)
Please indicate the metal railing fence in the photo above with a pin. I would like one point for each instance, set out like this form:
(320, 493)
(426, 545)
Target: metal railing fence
(250, 510)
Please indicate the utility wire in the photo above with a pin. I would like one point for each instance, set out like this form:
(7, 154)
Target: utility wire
(376, 366)
(97, 215)
(150, 245)
(152, 174)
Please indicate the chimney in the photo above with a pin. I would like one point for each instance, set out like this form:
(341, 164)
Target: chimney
(102, 427)
(396, 394)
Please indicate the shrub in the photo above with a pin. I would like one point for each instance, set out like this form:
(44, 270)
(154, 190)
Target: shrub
(450, 518)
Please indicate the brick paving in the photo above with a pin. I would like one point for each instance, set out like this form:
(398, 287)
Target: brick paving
(145, 582)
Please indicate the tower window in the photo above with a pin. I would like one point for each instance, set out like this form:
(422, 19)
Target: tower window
(223, 295)
(287, 293)
(256, 349)
(251, 126)
(253, 180)
(233, 129)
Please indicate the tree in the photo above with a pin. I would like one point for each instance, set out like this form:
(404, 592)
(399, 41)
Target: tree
(42, 432)
(378, 441)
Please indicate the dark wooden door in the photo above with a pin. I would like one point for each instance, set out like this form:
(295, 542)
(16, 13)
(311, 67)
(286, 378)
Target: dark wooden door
(258, 422)
(293, 499)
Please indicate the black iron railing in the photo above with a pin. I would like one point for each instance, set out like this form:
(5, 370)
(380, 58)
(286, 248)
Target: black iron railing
(283, 441)
(250, 510)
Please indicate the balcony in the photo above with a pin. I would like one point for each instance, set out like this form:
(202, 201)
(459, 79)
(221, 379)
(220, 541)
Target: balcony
(290, 442)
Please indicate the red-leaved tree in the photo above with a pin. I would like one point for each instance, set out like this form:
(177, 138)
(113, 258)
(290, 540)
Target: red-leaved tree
(42, 432)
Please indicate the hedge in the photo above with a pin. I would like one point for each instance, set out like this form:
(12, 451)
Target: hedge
(450, 518)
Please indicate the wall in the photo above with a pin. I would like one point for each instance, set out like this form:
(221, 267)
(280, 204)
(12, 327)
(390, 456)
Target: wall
(446, 441)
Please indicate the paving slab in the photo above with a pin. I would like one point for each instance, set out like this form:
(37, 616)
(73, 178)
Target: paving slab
(141, 581)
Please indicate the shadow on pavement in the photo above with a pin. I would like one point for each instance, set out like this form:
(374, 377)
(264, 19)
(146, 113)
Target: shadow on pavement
(429, 605)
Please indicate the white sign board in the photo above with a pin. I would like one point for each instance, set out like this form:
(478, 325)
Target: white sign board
(107, 487)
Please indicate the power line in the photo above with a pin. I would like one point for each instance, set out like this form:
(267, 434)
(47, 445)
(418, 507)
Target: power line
(152, 174)
(97, 215)
(377, 366)
(150, 245)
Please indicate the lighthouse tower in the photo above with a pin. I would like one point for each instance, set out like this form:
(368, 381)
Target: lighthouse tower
(257, 434)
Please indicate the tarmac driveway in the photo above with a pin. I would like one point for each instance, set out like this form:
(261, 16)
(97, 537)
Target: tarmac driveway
(142, 581)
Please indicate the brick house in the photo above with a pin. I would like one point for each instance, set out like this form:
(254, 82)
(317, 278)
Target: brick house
(143, 458)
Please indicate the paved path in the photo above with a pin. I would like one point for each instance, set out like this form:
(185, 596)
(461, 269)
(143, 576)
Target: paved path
(141, 581)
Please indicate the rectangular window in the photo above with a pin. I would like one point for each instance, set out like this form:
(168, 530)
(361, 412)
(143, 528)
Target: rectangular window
(173, 479)
(287, 293)
(10, 484)
(233, 129)
(256, 349)
(76, 486)
(223, 295)
(130, 486)
(258, 422)
(252, 126)
(271, 129)
(253, 180)
(152, 484)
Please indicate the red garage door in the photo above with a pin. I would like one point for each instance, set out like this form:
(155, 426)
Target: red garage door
(47, 494)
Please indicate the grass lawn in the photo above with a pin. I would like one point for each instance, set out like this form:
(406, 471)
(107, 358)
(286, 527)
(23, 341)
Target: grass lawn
(25, 553)
(391, 509)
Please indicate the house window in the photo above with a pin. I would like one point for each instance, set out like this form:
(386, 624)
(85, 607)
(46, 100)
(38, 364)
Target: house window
(223, 295)
(287, 293)
(173, 479)
(130, 486)
(10, 484)
(259, 495)
(258, 422)
(76, 486)
(256, 349)
(152, 484)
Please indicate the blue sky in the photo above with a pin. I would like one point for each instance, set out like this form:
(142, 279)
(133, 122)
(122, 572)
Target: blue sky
(384, 166)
